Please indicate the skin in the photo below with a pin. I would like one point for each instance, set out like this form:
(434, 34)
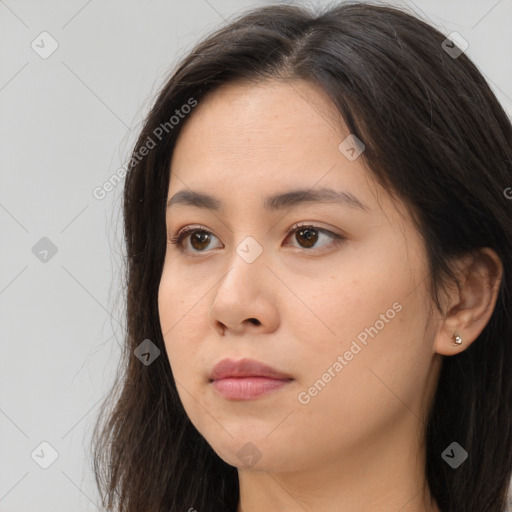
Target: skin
(358, 444)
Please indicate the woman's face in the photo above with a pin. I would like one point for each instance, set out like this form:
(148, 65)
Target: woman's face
(340, 308)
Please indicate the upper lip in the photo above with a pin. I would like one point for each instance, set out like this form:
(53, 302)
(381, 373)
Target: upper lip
(245, 368)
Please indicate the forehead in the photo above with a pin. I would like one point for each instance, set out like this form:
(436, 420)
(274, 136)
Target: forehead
(261, 139)
(264, 120)
(265, 131)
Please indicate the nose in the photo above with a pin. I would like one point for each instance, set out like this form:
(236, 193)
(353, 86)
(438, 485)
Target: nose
(245, 299)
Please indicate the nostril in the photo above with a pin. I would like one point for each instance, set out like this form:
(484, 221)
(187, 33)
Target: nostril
(254, 321)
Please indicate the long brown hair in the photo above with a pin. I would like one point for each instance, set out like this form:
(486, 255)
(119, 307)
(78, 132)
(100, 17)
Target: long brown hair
(435, 135)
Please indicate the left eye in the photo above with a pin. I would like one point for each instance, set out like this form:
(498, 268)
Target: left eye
(307, 236)
(310, 235)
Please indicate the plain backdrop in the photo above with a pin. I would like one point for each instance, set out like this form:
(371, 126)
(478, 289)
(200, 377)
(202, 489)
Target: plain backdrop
(76, 79)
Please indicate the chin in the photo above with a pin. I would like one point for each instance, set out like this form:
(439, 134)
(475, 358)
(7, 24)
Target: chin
(255, 452)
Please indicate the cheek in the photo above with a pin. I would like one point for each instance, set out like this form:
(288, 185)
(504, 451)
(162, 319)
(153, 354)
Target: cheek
(376, 383)
(346, 305)
(181, 294)
(181, 319)
(375, 323)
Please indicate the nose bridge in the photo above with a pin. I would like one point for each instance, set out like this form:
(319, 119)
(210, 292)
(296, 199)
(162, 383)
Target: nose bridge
(249, 235)
(247, 265)
(243, 292)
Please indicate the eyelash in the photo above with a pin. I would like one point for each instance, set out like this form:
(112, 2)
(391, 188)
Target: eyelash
(180, 236)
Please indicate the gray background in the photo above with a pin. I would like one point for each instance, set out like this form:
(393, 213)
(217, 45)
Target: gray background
(66, 125)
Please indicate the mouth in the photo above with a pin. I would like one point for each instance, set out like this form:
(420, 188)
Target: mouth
(246, 379)
(247, 388)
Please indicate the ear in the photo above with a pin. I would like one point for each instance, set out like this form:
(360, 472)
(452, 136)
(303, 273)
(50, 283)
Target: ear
(469, 307)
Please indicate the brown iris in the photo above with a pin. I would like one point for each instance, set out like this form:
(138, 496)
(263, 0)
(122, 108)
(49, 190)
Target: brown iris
(309, 234)
(201, 237)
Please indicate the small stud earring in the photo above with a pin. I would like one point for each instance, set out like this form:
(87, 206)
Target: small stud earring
(457, 339)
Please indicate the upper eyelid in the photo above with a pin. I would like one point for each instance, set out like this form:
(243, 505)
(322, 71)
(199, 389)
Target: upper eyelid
(191, 228)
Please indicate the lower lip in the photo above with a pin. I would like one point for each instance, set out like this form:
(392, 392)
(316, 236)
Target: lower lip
(247, 388)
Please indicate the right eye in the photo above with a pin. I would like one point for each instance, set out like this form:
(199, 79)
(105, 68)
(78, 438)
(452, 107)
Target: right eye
(199, 238)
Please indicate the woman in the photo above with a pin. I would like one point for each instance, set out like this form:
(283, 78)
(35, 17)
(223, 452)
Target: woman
(319, 266)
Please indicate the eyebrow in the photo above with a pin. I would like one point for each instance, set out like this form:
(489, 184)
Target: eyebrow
(272, 203)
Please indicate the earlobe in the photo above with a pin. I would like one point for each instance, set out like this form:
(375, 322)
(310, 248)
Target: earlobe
(471, 304)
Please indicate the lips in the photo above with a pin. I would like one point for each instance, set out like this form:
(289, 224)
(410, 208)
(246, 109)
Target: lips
(246, 379)
(245, 368)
